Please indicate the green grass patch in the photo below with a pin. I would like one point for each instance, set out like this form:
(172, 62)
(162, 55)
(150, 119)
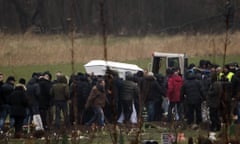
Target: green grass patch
(26, 71)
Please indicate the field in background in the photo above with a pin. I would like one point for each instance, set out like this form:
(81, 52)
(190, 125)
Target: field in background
(20, 55)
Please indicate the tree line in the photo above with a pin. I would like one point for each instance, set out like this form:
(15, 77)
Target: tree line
(122, 17)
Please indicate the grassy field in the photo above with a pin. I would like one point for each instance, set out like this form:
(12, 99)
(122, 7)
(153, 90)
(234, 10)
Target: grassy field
(20, 55)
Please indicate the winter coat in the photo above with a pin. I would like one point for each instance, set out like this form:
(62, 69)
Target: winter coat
(6, 90)
(59, 91)
(80, 89)
(154, 92)
(192, 91)
(174, 86)
(97, 97)
(45, 99)
(18, 102)
(33, 92)
(214, 95)
(128, 90)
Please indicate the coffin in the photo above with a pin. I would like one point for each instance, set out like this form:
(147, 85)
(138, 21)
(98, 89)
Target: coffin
(98, 67)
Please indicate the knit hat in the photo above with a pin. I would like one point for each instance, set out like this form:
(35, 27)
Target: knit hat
(11, 78)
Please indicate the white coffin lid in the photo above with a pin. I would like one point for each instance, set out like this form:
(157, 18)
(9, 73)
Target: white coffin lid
(98, 67)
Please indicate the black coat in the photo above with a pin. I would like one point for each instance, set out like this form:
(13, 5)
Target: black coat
(18, 102)
(45, 99)
(154, 91)
(214, 95)
(128, 90)
(5, 93)
(33, 92)
(192, 91)
(81, 88)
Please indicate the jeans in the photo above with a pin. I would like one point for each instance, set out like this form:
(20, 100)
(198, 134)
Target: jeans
(98, 115)
(27, 118)
(3, 115)
(151, 111)
(61, 106)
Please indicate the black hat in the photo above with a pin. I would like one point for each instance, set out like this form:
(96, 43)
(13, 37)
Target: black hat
(11, 78)
(22, 81)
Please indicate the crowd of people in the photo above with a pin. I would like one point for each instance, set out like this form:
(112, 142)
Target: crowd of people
(204, 93)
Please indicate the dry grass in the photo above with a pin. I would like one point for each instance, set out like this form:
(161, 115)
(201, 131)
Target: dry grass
(31, 49)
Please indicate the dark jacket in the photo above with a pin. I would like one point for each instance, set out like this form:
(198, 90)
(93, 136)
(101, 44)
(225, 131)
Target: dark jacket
(33, 92)
(128, 90)
(18, 102)
(97, 97)
(154, 92)
(214, 94)
(80, 89)
(6, 90)
(192, 90)
(45, 99)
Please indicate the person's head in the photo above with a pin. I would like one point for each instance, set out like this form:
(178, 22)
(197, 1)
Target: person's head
(169, 71)
(47, 75)
(176, 71)
(11, 79)
(22, 81)
(62, 79)
(218, 69)
(58, 74)
(100, 84)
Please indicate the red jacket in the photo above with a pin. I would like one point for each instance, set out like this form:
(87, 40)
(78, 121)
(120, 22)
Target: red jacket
(175, 83)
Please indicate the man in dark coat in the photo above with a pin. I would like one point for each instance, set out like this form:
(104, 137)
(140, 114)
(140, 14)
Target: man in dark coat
(6, 90)
(18, 102)
(213, 101)
(33, 93)
(79, 92)
(128, 92)
(60, 95)
(45, 99)
(154, 95)
(192, 92)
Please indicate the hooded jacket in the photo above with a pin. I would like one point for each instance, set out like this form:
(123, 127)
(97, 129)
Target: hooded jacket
(192, 90)
(97, 97)
(18, 101)
(174, 86)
